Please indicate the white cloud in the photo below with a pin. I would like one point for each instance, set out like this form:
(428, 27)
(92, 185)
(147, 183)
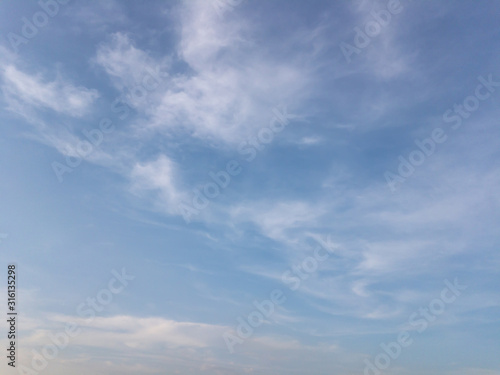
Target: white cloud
(204, 34)
(160, 175)
(121, 60)
(59, 95)
(280, 220)
(150, 344)
(143, 333)
(230, 88)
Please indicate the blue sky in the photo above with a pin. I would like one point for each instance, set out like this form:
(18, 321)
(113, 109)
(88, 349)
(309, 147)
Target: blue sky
(357, 168)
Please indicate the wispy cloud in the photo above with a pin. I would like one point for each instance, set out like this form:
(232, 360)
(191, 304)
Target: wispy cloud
(160, 176)
(60, 95)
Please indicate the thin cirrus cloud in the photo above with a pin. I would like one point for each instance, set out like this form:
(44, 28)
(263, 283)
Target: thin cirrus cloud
(215, 102)
(58, 95)
(231, 84)
(160, 176)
